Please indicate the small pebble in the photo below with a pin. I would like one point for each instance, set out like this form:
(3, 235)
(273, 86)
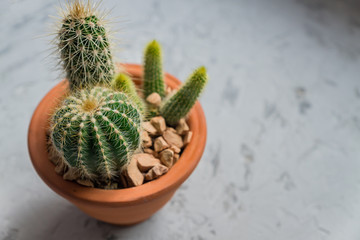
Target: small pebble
(159, 124)
(166, 157)
(182, 127)
(175, 149)
(133, 174)
(156, 172)
(146, 139)
(147, 126)
(160, 144)
(146, 161)
(187, 138)
(176, 157)
(154, 99)
(173, 138)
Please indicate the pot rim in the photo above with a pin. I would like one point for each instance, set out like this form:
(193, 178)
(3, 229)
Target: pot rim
(119, 197)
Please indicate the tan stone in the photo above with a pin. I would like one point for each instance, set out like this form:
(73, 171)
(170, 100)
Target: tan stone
(71, 174)
(133, 174)
(123, 181)
(156, 172)
(187, 138)
(173, 138)
(171, 129)
(176, 158)
(166, 157)
(154, 99)
(168, 90)
(146, 161)
(175, 149)
(146, 139)
(85, 182)
(60, 168)
(151, 151)
(182, 127)
(159, 124)
(160, 144)
(147, 126)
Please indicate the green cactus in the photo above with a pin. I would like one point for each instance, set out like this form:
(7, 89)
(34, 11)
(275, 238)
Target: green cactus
(84, 46)
(123, 83)
(96, 131)
(178, 105)
(153, 73)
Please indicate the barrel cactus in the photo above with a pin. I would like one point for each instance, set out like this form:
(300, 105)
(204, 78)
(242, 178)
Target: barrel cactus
(96, 131)
(84, 46)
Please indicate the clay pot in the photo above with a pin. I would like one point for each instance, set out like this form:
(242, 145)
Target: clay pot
(121, 206)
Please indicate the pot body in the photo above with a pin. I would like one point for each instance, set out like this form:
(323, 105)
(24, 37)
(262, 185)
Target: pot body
(121, 206)
(128, 214)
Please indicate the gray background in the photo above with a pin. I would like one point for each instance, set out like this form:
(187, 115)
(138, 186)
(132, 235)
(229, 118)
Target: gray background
(282, 106)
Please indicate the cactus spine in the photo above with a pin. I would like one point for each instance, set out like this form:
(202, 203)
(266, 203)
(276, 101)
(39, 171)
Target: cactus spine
(178, 105)
(84, 47)
(153, 73)
(96, 131)
(123, 83)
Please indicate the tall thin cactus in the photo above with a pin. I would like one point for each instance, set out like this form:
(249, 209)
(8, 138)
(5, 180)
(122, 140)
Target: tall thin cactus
(178, 105)
(123, 83)
(153, 73)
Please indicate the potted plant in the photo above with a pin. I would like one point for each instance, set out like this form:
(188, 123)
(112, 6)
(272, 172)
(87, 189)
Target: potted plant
(115, 140)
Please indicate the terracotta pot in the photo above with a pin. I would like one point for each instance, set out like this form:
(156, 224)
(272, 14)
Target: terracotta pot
(122, 206)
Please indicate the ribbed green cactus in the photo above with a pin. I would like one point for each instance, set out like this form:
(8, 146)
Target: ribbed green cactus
(123, 83)
(84, 46)
(96, 131)
(178, 105)
(153, 73)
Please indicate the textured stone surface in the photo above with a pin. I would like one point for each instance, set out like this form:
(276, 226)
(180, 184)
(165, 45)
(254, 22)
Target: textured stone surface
(155, 172)
(160, 144)
(282, 108)
(172, 138)
(167, 157)
(154, 99)
(145, 161)
(159, 124)
(132, 173)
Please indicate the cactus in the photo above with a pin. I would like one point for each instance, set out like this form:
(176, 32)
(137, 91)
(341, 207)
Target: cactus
(84, 46)
(178, 105)
(96, 131)
(123, 83)
(153, 74)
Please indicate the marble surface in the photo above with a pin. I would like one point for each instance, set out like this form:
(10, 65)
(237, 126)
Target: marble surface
(283, 111)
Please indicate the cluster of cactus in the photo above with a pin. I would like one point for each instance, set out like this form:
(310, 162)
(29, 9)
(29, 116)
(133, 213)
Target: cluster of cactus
(97, 127)
(177, 106)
